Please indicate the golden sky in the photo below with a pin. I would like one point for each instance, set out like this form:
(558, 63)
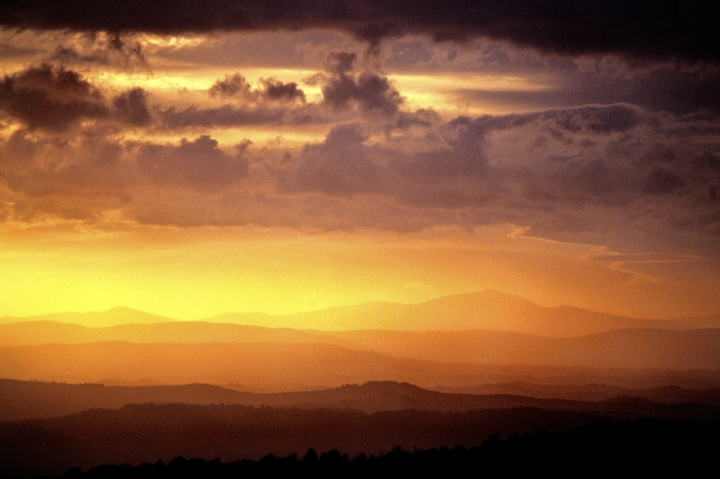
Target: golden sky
(190, 166)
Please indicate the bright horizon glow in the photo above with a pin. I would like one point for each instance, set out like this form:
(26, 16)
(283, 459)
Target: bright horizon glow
(213, 272)
(154, 177)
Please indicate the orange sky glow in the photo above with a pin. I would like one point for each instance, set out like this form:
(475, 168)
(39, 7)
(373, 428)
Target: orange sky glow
(190, 174)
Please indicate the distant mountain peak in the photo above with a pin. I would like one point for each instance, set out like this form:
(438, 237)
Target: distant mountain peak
(123, 309)
(386, 386)
(110, 317)
(489, 296)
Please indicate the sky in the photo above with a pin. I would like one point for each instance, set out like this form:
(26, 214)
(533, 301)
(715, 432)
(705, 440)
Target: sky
(200, 157)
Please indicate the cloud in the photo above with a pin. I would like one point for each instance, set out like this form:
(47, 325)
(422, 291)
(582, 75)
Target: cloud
(340, 165)
(272, 90)
(104, 50)
(230, 86)
(55, 98)
(275, 102)
(635, 28)
(224, 116)
(647, 258)
(661, 182)
(617, 175)
(52, 98)
(131, 107)
(89, 175)
(198, 164)
(574, 174)
(77, 178)
(661, 88)
(370, 91)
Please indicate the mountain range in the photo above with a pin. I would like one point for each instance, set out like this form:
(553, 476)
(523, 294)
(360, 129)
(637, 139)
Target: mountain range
(302, 364)
(489, 310)
(452, 342)
(21, 400)
(123, 386)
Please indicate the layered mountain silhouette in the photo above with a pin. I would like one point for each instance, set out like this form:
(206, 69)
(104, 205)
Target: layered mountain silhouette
(364, 379)
(33, 399)
(111, 317)
(471, 332)
(307, 364)
(44, 332)
(488, 310)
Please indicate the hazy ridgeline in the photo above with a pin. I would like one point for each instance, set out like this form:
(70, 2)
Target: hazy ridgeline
(457, 341)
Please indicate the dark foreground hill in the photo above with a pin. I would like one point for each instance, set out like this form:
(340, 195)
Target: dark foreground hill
(631, 448)
(149, 433)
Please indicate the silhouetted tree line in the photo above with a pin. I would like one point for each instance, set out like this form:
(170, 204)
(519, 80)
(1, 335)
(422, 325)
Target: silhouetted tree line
(631, 447)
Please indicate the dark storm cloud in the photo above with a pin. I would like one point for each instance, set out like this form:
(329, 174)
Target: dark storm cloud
(275, 102)
(56, 98)
(231, 85)
(272, 90)
(275, 90)
(370, 91)
(131, 107)
(688, 30)
(571, 174)
(110, 51)
(459, 173)
(676, 90)
(50, 98)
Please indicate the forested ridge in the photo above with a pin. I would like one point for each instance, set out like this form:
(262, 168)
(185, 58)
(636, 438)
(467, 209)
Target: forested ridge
(641, 446)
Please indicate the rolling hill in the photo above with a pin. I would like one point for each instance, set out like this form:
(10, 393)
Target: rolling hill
(298, 365)
(21, 400)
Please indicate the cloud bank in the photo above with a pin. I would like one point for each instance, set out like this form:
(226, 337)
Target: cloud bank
(664, 29)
